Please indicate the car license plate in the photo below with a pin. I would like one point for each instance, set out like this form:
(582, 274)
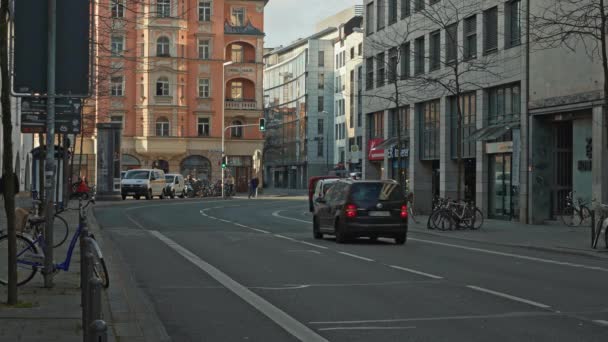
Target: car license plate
(131, 193)
(379, 213)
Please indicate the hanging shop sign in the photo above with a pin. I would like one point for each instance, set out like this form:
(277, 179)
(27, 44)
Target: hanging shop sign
(499, 147)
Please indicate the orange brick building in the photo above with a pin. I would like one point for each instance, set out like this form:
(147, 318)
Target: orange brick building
(159, 70)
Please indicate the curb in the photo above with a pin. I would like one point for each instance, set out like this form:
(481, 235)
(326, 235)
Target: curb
(131, 311)
(596, 255)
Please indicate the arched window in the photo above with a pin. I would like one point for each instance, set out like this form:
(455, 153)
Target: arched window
(162, 47)
(237, 53)
(162, 86)
(163, 8)
(237, 132)
(162, 127)
(236, 90)
(129, 162)
(196, 166)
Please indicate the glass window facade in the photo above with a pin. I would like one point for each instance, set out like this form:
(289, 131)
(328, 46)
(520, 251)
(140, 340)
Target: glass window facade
(504, 104)
(429, 112)
(468, 107)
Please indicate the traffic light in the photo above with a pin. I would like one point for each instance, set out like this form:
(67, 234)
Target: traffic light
(262, 124)
(224, 162)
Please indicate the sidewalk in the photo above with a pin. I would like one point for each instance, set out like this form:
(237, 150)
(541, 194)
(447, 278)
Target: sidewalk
(551, 237)
(282, 192)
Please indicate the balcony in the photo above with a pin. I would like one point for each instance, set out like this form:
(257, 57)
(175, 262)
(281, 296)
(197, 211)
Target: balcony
(244, 104)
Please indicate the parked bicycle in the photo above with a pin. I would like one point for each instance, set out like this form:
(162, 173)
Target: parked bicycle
(449, 215)
(601, 226)
(575, 213)
(410, 207)
(30, 255)
(35, 224)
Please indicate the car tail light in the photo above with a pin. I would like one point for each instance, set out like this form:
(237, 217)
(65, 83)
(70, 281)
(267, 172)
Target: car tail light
(404, 211)
(351, 210)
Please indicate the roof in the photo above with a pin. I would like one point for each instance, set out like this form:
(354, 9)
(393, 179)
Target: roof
(248, 29)
(302, 41)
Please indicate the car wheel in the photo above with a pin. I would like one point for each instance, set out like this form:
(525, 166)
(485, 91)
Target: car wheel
(316, 233)
(173, 194)
(341, 236)
(400, 239)
(149, 195)
(124, 197)
(137, 197)
(162, 194)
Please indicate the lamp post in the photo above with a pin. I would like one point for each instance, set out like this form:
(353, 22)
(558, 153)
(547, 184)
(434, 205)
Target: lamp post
(224, 115)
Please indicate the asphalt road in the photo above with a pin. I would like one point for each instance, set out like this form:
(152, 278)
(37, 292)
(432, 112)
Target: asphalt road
(250, 270)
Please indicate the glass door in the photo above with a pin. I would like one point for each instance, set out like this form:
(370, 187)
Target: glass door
(500, 191)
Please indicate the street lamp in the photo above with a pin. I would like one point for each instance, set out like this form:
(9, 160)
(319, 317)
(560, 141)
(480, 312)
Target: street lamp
(224, 115)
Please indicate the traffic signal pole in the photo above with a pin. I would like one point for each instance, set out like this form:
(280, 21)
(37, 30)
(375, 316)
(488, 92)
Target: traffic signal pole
(224, 142)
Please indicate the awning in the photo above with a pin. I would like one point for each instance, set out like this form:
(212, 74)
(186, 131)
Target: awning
(492, 132)
(386, 143)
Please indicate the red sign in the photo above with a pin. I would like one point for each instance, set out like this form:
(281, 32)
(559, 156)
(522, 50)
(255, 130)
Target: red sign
(374, 153)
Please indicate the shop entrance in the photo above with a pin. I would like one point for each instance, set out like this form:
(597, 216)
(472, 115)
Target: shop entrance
(501, 191)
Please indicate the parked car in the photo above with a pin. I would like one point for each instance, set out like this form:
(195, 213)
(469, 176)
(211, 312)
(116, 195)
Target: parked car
(143, 182)
(353, 208)
(122, 174)
(322, 186)
(175, 185)
(312, 184)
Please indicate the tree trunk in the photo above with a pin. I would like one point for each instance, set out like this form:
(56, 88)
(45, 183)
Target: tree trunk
(7, 159)
(604, 20)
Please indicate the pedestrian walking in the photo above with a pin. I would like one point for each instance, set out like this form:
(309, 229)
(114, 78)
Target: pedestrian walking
(253, 186)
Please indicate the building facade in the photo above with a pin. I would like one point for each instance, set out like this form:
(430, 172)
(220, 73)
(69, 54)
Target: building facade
(299, 94)
(161, 70)
(418, 62)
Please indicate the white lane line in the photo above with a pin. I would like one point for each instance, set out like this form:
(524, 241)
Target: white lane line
(276, 214)
(507, 296)
(356, 256)
(291, 325)
(517, 256)
(259, 230)
(415, 272)
(601, 322)
(312, 244)
(366, 328)
(284, 237)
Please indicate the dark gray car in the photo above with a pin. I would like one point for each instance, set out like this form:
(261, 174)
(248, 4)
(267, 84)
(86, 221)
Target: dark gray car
(354, 208)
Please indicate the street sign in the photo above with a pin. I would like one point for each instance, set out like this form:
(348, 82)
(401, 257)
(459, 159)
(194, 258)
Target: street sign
(67, 115)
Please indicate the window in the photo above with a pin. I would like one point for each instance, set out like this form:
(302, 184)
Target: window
(369, 76)
(117, 86)
(321, 58)
(236, 52)
(419, 56)
(381, 6)
(376, 125)
(352, 52)
(405, 8)
(163, 8)
(162, 86)
(451, 39)
(236, 90)
(116, 119)
(432, 2)
(490, 30)
(470, 37)
(236, 132)
(321, 81)
(360, 142)
(392, 11)
(117, 8)
(162, 127)
(321, 104)
(162, 47)
(320, 148)
(203, 88)
(405, 60)
(204, 11)
(203, 127)
(418, 5)
(369, 18)
(468, 109)
(360, 49)
(380, 67)
(393, 59)
(504, 104)
(429, 121)
(399, 118)
(203, 49)
(238, 16)
(513, 23)
(435, 50)
(320, 128)
(117, 45)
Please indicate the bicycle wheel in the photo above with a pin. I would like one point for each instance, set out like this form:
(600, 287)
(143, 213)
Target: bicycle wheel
(477, 219)
(585, 215)
(443, 220)
(61, 231)
(412, 213)
(99, 265)
(570, 217)
(26, 251)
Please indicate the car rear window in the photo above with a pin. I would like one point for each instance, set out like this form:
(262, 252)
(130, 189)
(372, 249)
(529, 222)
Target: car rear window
(367, 194)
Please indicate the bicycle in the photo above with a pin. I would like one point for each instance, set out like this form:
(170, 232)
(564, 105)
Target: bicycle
(35, 224)
(574, 214)
(30, 259)
(410, 207)
(602, 225)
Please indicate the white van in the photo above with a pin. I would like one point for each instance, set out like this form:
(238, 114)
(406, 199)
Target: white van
(175, 185)
(143, 182)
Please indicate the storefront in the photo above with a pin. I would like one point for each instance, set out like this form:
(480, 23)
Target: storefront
(375, 156)
(241, 168)
(393, 154)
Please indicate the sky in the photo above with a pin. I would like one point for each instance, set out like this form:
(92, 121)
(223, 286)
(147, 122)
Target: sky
(288, 20)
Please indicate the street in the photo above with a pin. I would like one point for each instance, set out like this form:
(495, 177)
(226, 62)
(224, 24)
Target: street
(250, 270)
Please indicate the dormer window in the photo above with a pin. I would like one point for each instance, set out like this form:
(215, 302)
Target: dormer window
(238, 16)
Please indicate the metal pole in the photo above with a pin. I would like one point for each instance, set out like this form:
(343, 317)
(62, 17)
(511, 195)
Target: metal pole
(223, 123)
(50, 146)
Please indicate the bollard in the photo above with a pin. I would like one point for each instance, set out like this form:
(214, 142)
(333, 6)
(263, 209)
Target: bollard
(98, 331)
(94, 300)
(592, 227)
(86, 308)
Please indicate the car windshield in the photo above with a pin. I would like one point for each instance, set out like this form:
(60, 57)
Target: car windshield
(326, 186)
(366, 194)
(169, 179)
(137, 175)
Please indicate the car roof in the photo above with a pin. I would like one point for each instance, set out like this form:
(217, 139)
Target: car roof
(374, 181)
(329, 180)
(172, 174)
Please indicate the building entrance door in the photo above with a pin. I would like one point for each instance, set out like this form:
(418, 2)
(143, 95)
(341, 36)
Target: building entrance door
(562, 164)
(501, 191)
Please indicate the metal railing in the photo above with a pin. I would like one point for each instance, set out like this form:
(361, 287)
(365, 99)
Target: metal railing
(242, 104)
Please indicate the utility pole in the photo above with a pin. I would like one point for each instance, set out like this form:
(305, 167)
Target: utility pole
(49, 170)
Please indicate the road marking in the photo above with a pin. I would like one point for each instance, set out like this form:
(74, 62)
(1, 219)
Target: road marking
(415, 272)
(284, 237)
(276, 214)
(356, 256)
(601, 322)
(312, 244)
(259, 230)
(366, 328)
(294, 327)
(517, 256)
(297, 287)
(504, 295)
